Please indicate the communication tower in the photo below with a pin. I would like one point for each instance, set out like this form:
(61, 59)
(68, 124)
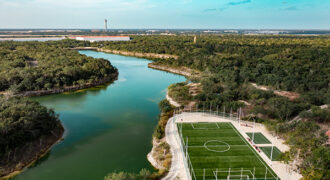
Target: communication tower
(106, 25)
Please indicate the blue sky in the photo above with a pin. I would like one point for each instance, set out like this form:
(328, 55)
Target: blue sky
(205, 14)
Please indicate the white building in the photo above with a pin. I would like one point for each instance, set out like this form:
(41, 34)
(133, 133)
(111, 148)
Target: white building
(101, 38)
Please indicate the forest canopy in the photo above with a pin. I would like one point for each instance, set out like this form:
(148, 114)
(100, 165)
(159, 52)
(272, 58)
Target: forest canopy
(230, 63)
(30, 66)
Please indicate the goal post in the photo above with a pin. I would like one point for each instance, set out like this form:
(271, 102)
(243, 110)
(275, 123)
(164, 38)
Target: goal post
(238, 177)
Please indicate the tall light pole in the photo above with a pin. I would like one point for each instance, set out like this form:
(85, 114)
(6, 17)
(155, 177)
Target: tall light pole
(105, 25)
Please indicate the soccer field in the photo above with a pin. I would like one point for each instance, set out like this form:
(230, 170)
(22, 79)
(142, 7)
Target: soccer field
(218, 151)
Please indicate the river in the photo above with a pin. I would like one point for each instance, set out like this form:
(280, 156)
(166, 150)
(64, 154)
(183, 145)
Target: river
(108, 128)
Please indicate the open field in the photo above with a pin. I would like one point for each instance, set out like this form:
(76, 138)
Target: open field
(276, 152)
(218, 151)
(259, 138)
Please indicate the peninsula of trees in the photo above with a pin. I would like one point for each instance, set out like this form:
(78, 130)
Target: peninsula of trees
(47, 66)
(27, 131)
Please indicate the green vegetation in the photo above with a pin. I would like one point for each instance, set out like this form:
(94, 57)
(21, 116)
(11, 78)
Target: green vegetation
(179, 92)
(26, 128)
(268, 151)
(219, 146)
(166, 113)
(143, 175)
(307, 142)
(259, 138)
(32, 66)
(229, 63)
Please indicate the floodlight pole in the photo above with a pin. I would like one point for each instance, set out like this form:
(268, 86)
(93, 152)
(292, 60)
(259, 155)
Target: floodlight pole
(254, 171)
(203, 107)
(224, 111)
(266, 174)
(217, 109)
(204, 174)
(187, 149)
(254, 123)
(210, 107)
(231, 110)
(271, 155)
(241, 173)
(216, 174)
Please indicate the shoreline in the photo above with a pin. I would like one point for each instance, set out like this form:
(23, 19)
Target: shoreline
(183, 71)
(129, 53)
(45, 149)
(108, 79)
(38, 155)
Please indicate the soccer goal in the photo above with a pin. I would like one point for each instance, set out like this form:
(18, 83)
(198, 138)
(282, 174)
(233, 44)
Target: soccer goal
(238, 177)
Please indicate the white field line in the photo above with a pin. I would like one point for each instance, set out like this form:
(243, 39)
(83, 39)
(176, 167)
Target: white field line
(253, 151)
(216, 146)
(192, 125)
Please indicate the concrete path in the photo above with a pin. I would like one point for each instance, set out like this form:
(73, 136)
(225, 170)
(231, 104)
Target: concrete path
(177, 170)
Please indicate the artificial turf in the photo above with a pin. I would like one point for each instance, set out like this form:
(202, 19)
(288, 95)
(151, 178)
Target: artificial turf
(259, 138)
(216, 147)
(276, 152)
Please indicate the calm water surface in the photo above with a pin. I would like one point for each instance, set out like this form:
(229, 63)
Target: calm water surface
(108, 128)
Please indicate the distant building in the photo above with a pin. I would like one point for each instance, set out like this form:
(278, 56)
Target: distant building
(95, 30)
(101, 38)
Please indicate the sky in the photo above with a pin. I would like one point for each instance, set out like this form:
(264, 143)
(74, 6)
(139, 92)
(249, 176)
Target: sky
(166, 14)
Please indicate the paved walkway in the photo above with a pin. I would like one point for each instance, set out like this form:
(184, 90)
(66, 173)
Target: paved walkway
(177, 170)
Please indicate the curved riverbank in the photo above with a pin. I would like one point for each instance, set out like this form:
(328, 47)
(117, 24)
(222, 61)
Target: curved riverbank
(108, 79)
(25, 156)
(129, 53)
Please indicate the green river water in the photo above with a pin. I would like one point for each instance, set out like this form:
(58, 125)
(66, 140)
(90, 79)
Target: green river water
(107, 128)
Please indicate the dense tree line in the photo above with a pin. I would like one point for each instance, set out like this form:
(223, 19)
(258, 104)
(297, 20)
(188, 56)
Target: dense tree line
(27, 130)
(293, 63)
(230, 63)
(23, 120)
(29, 66)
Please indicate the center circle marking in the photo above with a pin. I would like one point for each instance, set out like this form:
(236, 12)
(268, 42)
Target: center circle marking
(214, 150)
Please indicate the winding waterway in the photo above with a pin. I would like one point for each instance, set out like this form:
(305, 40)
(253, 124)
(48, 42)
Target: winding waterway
(108, 128)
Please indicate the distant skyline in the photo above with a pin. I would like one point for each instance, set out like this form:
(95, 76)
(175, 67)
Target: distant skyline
(165, 14)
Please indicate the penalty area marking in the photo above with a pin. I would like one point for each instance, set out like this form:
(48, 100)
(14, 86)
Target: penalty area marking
(213, 150)
(192, 125)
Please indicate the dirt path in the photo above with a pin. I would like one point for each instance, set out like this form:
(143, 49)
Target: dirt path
(172, 102)
(288, 94)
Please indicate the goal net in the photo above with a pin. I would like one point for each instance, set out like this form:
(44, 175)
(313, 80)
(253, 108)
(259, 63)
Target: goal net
(238, 177)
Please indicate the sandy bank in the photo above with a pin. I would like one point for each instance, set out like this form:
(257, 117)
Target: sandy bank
(130, 53)
(181, 71)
